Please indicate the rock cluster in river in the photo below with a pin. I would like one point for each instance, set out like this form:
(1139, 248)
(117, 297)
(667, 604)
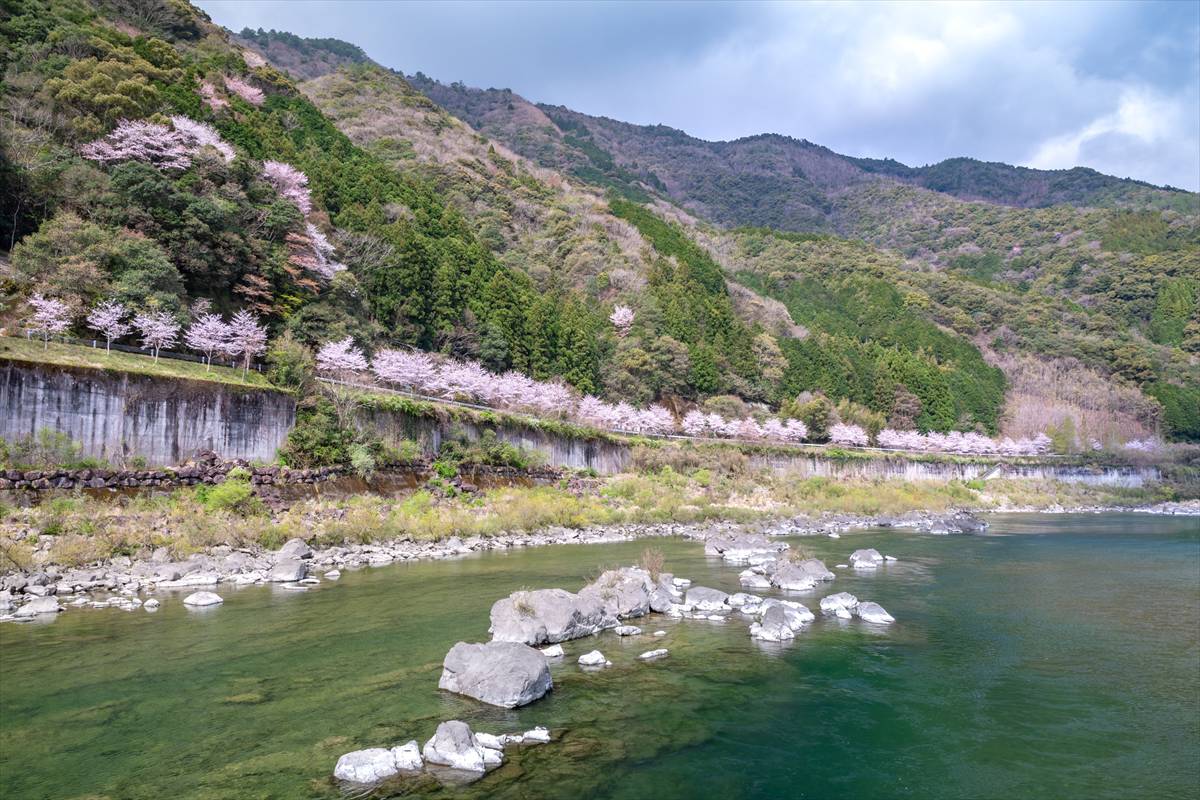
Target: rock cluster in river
(454, 746)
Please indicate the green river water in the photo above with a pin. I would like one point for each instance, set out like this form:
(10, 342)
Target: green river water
(1055, 657)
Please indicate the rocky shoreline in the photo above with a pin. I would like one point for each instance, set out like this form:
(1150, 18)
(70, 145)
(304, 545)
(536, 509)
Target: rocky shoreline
(128, 583)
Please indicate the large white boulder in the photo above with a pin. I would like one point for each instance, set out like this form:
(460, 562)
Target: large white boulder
(873, 612)
(377, 763)
(455, 746)
(774, 626)
(702, 598)
(593, 659)
(288, 570)
(547, 616)
(830, 604)
(792, 577)
(870, 558)
(203, 599)
(506, 674)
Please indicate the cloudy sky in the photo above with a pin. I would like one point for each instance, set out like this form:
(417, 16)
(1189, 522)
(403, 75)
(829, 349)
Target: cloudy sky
(1110, 85)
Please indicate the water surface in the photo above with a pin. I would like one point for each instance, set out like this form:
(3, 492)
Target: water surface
(1056, 657)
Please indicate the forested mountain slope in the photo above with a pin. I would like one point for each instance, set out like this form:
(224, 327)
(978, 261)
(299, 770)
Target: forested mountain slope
(512, 242)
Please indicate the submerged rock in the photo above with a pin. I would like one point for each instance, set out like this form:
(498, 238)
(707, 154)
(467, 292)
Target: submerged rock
(455, 746)
(627, 630)
(651, 655)
(203, 599)
(506, 674)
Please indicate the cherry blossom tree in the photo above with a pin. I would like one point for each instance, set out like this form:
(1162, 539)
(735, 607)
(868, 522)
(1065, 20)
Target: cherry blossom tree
(413, 370)
(622, 319)
(341, 358)
(291, 183)
(208, 93)
(195, 135)
(325, 265)
(139, 140)
(109, 320)
(50, 317)
(248, 92)
(695, 423)
(208, 334)
(775, 430)
(849, 435)
(158, 329)
(795, 430)
(247, 338)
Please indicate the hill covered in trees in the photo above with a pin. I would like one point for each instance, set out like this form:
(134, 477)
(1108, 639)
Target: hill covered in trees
(339, 198)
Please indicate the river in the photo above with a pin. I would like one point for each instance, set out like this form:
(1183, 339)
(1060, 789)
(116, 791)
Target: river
(1054, 657)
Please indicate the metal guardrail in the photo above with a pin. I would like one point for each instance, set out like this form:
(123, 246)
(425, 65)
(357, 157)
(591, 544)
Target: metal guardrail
(666, 436)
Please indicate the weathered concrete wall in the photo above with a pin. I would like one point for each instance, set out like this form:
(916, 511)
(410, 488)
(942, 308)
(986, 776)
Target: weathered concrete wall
(901, 468)
(605, 457)
(117, 416)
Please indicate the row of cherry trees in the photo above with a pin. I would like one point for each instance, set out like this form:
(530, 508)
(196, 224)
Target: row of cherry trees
(242, 338)
(424, 374)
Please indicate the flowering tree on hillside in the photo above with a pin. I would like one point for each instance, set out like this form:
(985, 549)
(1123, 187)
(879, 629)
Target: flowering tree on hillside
(412, 370)
(341, 358)
(622, 319)
(108, 319)
(851, 435)
(138, 140)
(158, 329)
(291, 183)
(247, 338)
(695, 423)
(195, 135)
(251, 94)
(795, 430)
(208, 93)
(50, 317)
(208, 334)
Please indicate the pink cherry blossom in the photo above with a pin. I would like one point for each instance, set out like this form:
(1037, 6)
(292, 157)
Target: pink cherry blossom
(851, 435)
(341, 358)
(208, 334)
(139, 140)
(291, 183)
(247, 338)
(109, 320)
(158, 329)
(199, 134)
(50, 317)
(248, 92)
(622, 319)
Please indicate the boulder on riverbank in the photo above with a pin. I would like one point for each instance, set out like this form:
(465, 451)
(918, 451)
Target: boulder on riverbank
(506, 674)
(454, 745)
(38, 606)
(288, 570)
